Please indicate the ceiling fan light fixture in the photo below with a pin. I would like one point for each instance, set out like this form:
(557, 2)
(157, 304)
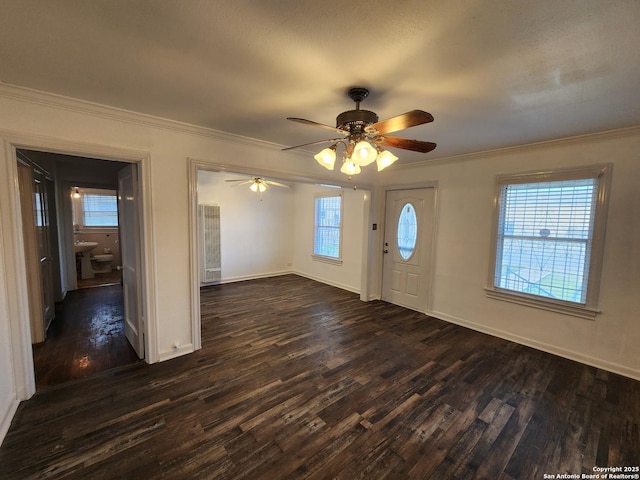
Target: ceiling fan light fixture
(385, 158)
(363, 134)
(349, 167)
(327, 157)
(363, 153)
(258, 186)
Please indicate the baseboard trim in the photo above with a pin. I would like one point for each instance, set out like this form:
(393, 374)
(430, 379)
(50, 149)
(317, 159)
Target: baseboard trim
(176, 351)
(243, 278)
(7, 418)
(545, 347)
(328, 282)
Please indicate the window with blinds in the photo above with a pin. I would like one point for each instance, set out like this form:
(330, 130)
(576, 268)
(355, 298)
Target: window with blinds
(327, 226)
(99, 210)
(549, 236)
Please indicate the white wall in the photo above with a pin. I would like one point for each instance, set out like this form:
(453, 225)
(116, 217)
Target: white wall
(256, 230)
(8, 398)
(347, 275)
(465, 196)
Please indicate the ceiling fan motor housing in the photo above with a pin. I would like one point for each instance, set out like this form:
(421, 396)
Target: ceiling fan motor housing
(354, 121)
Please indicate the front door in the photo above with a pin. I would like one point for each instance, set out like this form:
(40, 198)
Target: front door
(408, 240)
(128, 216)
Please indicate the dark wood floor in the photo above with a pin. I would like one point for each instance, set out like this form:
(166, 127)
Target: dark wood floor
(301, 380)
(86, 336)
(101, 279)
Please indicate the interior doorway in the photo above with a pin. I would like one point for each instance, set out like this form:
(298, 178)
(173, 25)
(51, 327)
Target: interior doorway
(283, 221)
(87, 333)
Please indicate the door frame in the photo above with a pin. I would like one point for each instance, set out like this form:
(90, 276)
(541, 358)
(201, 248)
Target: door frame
(434, 234)
(196, 165)
(14, 251)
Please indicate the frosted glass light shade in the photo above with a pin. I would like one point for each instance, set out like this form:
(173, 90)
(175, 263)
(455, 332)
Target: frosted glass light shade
(363, 154)
(258, 187)
(385, 158)
(350, 168)
(326, 158)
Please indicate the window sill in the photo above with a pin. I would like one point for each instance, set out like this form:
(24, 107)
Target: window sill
(332, 261)
(90, 230)
(550, 305)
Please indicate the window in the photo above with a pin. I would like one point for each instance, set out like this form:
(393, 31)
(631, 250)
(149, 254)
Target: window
(407, 231)
(549, 238)
(96, 208)
(327, 228)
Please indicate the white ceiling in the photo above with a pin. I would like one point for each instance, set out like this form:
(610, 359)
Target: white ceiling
(494, 73)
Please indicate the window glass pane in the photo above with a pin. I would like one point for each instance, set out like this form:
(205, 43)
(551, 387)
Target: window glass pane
(544, 238)
(407, 231)
(327, 227)
(548, 269)
(99, 210)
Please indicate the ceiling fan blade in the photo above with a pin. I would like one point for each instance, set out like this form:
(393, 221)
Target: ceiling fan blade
(316, 124)
(400, 122)
(245, 180)
(406, 144)
(313, 143)
(239, 182)
(277, 184)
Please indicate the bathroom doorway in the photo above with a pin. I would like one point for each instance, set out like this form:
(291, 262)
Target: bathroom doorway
(96, 236)
(87, 333)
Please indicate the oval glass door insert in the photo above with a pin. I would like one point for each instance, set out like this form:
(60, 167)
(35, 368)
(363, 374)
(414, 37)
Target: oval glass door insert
(407, 231)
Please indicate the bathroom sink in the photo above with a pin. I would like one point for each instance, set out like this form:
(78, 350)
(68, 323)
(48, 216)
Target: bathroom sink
(82, 247)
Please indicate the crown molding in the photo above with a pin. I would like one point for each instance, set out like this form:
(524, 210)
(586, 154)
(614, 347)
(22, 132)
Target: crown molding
(574, 140)
(52, 100)
(106, 112)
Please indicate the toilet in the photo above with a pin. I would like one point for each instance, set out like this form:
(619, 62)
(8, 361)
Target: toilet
(101, 263)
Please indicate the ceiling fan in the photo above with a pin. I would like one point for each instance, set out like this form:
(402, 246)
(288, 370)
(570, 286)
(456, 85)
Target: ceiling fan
(364, 136)
(257, 184)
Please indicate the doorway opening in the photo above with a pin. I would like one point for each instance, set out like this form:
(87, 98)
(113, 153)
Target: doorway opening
(96, 241)
(78, 234)
(269, 232)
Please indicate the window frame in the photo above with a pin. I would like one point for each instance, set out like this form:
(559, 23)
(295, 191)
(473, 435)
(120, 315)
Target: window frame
(78, 209)
(325, 258)
(414, 247)
(590, 309)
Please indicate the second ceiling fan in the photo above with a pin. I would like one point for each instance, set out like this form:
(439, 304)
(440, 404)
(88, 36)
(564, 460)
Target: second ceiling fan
(364, 136)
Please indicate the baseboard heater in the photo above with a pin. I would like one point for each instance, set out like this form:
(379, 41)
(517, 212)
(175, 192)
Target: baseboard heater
(209, 244)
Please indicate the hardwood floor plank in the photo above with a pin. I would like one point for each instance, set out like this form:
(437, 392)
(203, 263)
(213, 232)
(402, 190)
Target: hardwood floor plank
(298, 380)
(85, 337)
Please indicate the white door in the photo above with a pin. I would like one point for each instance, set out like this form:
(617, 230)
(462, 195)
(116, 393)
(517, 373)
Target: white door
(41, 197)
(32, 253)
(408, 239)
(128, 220)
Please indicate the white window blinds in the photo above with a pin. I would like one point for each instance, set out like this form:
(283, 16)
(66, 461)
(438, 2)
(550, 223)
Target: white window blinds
(327, 226)
(545, 234)
(99, 210)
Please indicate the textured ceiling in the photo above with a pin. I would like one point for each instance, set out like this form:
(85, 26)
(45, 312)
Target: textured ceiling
(492, 73)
